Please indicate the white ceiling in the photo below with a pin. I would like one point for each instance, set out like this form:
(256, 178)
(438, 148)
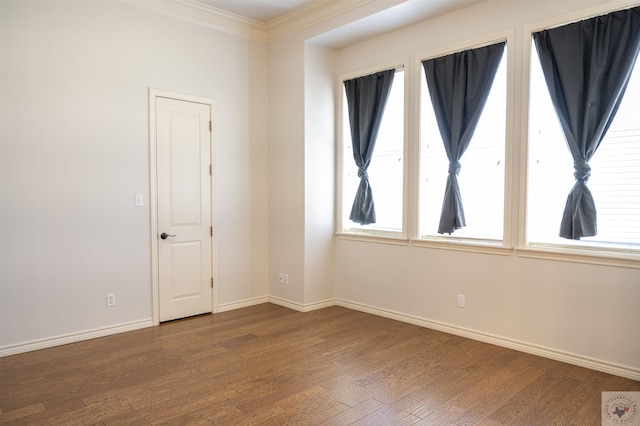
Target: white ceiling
(408, 11)
(363, 19)
(259, 10)
(405, 13)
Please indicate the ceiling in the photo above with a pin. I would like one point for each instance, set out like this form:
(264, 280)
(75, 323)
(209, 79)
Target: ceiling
(402, 14)
(259, 10)
(352, 21)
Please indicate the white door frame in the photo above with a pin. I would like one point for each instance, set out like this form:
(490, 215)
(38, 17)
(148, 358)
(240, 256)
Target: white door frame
(153, 197)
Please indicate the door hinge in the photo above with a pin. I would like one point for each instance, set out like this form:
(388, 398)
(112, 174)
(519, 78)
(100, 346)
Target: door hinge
(210, 169)
(210, 126)
(212, 282)
(211, 231)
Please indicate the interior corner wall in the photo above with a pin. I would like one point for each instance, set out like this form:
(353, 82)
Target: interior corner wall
(301, 172)
(74, 152)
(319, 173)
(586, 310)
(286, 169)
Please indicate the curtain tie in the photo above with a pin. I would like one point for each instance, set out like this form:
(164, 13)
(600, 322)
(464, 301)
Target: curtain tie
(362, 174)
(583, 170)
(454, 167)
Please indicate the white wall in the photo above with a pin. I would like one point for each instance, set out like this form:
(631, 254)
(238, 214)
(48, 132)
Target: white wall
(301, 159)
(319, 173)
(75, 150)
(286, 169)
(588, 311)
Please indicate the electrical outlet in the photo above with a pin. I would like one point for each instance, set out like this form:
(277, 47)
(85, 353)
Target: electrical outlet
(461, 301)
(286, 278)
(111, 299)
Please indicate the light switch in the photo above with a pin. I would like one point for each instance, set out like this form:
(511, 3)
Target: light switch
(138, 200)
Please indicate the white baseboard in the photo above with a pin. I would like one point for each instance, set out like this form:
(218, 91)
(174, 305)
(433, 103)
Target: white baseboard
(308, 307)
(73, 337)
(582, 361)
(243, 304)
(569, 358)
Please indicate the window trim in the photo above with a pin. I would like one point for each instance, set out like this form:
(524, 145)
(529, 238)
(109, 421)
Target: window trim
(464, 244)
(372, 238)
(504, 246)
(552, 251)
(377, 235)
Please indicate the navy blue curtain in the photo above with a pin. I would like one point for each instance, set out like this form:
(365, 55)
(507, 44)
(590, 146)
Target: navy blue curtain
(366, 98)
(587, 66)
(459, 85)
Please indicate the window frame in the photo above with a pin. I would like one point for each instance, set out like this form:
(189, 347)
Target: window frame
(376, 235)
(589, 254)
(453, 242)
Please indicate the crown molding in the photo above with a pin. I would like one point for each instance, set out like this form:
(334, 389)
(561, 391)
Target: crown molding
(304, 17)
(198, 13)
(313, 13)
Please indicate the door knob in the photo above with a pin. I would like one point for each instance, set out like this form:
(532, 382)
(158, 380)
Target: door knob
(164, 235)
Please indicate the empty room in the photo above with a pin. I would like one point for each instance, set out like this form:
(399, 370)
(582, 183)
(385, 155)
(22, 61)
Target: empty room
(319, 212)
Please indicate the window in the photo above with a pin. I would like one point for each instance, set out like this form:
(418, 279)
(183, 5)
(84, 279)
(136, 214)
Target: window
(482, 174)
(386, 170)
(615, 172)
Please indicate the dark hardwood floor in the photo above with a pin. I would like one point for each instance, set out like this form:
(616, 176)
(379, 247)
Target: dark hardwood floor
(271, 365)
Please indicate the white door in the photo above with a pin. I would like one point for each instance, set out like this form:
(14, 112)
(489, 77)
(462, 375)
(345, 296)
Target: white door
(183, 157)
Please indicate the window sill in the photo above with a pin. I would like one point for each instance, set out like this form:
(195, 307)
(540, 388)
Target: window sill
(474, 246)
(590, 256)
(373, 238)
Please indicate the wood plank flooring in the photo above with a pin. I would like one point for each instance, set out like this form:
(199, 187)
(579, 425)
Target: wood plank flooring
(268, 365)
